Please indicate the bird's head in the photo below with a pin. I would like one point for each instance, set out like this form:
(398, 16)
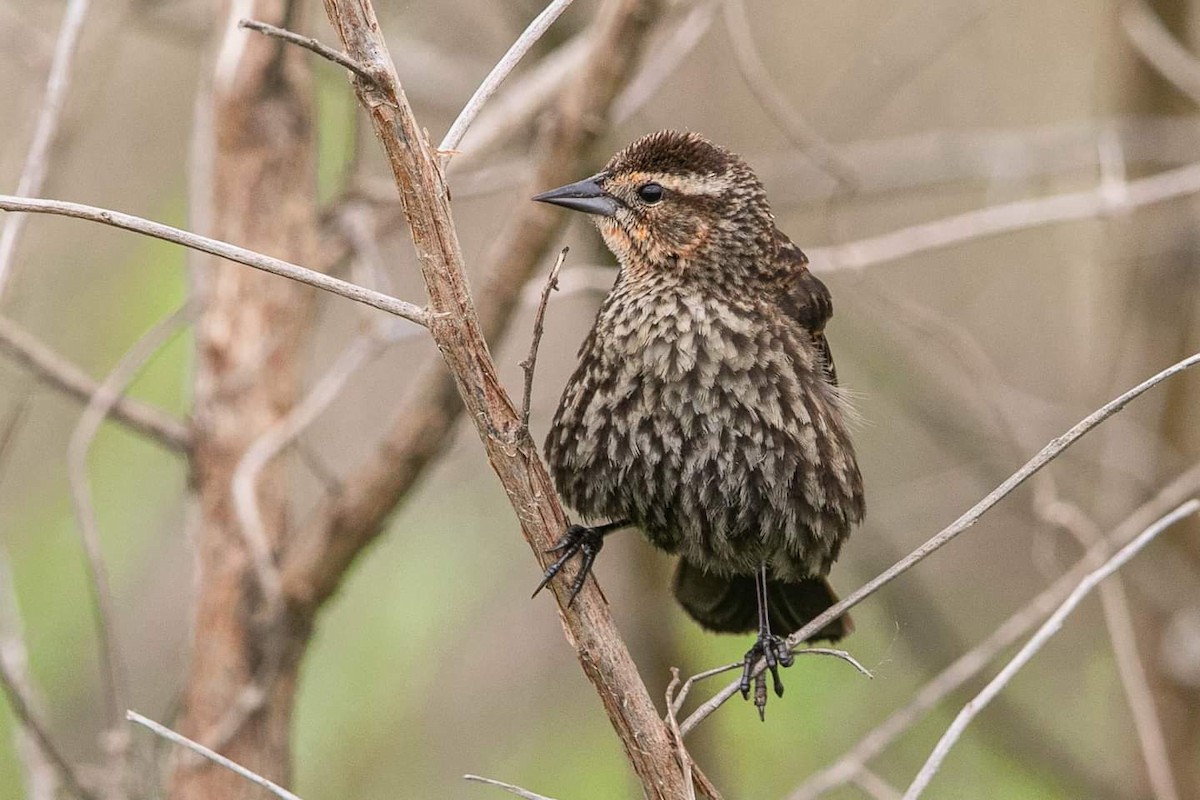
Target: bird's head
(674, 202)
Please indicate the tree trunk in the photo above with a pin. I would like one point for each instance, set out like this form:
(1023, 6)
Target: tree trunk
(240, 690)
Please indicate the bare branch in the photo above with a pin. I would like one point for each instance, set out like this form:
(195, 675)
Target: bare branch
(80, 444)
(540, 24)
(308, 43)
(33, 174)
(508, 787)
(968, 519)
(275, 266)
(875, 786)
(1008, 217)
(530, 362)
(971, 663)
(1119, 623)
(778, 108)
(53, 369)
(1037, 642)
(1154, 42)
(460, 338)
(216, 758)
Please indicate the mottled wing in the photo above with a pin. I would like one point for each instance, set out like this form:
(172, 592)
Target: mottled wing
(806, 299)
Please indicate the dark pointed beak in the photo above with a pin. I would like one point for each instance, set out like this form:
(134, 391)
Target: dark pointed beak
(586, 196)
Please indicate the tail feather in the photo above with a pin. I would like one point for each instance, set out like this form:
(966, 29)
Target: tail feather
(727, 604)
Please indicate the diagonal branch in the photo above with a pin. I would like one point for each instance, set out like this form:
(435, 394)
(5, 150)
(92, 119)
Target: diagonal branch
(459, 335)
(1037, 642)
(1047, 454)
(215, 247)
(1020, 624)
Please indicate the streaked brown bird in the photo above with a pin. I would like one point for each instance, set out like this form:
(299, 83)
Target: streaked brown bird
(705, 408)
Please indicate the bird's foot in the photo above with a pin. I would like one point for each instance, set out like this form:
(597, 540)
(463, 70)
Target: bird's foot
(576, 540)
(774, 650)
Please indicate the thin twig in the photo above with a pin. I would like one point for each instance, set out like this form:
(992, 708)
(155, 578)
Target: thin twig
(1162, 51)
(1007, 217)
(530, 362)
(681, 753)
(216, 758)
(508, 787)
(275, 266)
(971, 663)
(540, 24)
(1119, 623)
(308, 43)
(968, 519)
(1036, 643)
(779, 109)
(33, 174)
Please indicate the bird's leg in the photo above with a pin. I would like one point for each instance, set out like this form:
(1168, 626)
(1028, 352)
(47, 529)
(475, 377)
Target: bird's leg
(583, 540)
(767, 646)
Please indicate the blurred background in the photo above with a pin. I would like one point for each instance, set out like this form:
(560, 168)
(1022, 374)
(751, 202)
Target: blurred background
(862, 119)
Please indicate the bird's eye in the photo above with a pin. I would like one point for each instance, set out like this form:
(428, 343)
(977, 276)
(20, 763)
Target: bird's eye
(650, 193)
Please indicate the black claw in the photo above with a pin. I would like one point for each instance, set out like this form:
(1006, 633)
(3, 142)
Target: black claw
(774, 651)
(577, 539)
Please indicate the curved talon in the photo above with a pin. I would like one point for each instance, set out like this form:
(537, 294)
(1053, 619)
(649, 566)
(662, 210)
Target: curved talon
(575, 540)
(774, 651)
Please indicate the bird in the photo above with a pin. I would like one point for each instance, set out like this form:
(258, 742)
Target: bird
(705, 408)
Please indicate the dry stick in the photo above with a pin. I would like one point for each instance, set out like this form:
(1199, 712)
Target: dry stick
(1118, 621)
(275, 266)
(756, 75)
(33, 174)
(681, 753)
(971, 663)
(1159, 48)
(459, 336)
(216, 758)
(1043, 457)
(1105, 198)
(55, 370)
(308, 43)
(1036, 643)
(540, 24)
(530, 362)
(508, 787)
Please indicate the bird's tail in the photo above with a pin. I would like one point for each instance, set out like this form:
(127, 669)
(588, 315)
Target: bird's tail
(728, 604)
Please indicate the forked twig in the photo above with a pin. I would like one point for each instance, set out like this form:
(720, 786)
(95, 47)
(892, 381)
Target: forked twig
(308, 43)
